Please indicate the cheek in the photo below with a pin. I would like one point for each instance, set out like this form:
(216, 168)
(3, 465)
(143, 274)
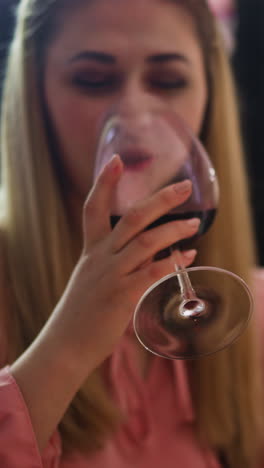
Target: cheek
(191, 108)
(75, 122)
(195, 115)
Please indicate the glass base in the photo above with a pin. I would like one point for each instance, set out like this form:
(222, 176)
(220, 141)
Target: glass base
(164, 326)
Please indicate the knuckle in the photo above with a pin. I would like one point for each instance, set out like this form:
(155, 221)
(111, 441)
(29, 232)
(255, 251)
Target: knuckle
(145, 240)
(89, 209)
(182, 227)
(155, 271)
(133, 217)
(187, 228)
(167, 197)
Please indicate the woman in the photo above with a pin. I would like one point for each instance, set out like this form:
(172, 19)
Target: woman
(70, 284)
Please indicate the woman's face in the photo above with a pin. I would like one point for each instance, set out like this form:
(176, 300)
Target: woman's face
(116, 55)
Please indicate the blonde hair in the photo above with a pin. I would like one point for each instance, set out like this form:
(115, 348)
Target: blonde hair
(227, 386)
(42, 250)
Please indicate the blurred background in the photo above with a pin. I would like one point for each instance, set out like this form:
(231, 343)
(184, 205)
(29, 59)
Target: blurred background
(242, 26)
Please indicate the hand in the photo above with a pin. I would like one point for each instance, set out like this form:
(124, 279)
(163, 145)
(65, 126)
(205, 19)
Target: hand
(116, 266)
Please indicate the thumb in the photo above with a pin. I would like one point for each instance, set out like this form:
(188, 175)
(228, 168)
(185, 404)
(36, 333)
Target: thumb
(97, 207)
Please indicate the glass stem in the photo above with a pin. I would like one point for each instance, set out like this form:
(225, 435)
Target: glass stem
(187, 291)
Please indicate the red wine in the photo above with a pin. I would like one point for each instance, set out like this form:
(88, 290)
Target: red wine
(206, 217)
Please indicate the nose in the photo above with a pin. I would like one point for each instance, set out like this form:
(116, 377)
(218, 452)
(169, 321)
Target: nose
(134, 98)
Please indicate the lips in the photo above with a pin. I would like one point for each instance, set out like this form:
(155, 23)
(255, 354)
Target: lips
(136, 159)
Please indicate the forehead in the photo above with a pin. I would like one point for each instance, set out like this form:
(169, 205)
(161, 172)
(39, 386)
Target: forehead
(126, 26)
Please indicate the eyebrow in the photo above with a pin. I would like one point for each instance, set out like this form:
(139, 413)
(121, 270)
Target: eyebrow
(109, 59)
(93, 55)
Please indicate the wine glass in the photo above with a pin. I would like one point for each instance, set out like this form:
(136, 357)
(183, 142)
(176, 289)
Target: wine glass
(195, 311)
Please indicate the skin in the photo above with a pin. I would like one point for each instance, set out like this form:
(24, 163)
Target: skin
(115, 267)
(153, 64)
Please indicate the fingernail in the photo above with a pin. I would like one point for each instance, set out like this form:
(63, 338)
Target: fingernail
(193, 223)
(182, 187)
(114, 164)
(189, 253)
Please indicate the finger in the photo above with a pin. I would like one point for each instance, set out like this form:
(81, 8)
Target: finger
(96, 211)
(147, 244)
(141, 280)
(187, 257)
(147, 211)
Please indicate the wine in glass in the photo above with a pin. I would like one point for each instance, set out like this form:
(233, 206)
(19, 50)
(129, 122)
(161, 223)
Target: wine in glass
(195, 311)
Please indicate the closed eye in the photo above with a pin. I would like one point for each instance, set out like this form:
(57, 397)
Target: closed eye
(95, 82)
(170, 85)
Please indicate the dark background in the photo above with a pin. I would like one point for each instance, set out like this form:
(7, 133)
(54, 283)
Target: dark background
(248, 63)
(7, 8)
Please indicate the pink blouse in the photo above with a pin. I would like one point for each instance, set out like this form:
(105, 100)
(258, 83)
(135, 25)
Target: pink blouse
(159, 431)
